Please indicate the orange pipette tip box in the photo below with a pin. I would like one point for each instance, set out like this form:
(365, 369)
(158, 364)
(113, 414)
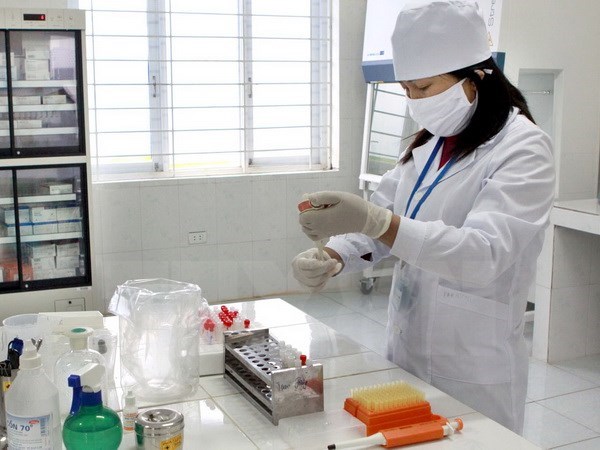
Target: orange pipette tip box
(377, 421)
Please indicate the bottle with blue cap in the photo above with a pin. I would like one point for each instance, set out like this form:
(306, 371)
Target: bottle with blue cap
(90, 425)
(32, 417)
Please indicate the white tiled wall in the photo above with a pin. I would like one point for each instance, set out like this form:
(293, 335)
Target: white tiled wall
(141, 228)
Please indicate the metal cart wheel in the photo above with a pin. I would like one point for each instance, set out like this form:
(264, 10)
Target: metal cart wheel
(366, 285)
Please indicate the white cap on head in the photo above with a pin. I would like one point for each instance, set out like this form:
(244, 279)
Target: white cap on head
(436, 37)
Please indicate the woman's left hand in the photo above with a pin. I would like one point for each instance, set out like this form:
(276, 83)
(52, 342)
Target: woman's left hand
(334, 213)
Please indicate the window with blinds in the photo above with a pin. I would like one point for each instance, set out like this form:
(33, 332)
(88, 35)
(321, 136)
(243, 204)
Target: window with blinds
(182, 87)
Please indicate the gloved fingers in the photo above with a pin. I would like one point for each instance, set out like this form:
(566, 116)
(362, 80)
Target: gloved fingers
(314, 267)
(325, 198)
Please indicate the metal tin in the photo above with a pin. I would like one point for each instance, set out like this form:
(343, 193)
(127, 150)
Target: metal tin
(159, 429)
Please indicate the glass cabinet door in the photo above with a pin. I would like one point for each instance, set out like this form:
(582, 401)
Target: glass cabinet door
(54, 244)
(45, 92)
(9, 222)
(4, 122)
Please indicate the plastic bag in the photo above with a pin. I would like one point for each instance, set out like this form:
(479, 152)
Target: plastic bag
(159, 329)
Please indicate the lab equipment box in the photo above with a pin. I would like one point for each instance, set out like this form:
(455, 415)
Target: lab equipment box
(255, 366)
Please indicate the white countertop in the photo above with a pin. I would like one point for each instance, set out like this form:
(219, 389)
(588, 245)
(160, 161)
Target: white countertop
(218, 417)
(582, 215)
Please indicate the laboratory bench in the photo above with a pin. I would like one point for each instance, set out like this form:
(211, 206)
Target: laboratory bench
(217, 416)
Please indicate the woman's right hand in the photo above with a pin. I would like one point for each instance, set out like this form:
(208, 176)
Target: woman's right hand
(313, 272)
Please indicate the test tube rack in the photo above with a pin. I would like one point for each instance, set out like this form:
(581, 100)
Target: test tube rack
(253, 365)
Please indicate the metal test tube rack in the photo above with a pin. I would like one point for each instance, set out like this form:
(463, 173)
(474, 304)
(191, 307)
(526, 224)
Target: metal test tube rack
(253, 365)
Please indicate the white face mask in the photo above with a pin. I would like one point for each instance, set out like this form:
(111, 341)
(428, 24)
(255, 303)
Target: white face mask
(445, 114)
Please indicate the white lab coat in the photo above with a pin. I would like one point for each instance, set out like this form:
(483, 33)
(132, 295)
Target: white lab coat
(466, 262)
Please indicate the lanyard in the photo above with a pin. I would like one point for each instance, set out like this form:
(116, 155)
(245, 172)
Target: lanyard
(422, 177)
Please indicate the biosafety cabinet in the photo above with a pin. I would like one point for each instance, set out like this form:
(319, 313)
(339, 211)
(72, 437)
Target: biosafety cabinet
(45, 260)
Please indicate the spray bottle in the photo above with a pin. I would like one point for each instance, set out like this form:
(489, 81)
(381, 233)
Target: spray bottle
(72, 361)
(32, 417)
(90, 425)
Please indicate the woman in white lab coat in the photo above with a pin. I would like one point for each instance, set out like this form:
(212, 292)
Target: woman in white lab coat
(464, 212)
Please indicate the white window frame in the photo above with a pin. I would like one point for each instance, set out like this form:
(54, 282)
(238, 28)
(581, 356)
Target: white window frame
(161, 112)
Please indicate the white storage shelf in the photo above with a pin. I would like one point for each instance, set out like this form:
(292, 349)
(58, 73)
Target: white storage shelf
(39, 199)
(582, 215)
(40, 83)
(41, 237)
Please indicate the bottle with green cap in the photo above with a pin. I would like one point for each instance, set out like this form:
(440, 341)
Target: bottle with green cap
(90, 425)
(32, 417)
(79, 356)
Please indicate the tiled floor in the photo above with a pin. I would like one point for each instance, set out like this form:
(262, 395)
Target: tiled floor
(563, 405)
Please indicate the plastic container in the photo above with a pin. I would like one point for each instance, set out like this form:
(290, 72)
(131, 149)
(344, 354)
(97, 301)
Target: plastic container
(159, 428)
(23, 326)
(69, 363)
(159, 328)
(32, 413)
(90, 426)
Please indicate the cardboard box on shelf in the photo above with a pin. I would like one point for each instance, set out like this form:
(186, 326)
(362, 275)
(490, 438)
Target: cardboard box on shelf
(26, 229)
(14, 72)
(45, 228)
(45, 263)
(4, 102)
(11, 270)
(4, 125)
(27, 100)
(68, 249)
(68, 213)
(37, 65)
(69, 226)
(40, 249)
(7, 215)
(57, 99)
(3, 58)
(43, 214)
(28, 123)
(56, 188)
(54, 273)
(32, 53)
(67, 262)
(37, 75)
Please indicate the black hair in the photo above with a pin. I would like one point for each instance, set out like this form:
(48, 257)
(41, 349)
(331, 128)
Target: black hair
(496, 98)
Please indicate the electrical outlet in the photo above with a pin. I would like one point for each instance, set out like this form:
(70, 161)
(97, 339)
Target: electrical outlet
(197, 237)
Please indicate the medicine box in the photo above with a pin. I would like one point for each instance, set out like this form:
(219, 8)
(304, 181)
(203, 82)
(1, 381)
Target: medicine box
(45, 228)
(37, 54)
(26, 229)
(4, 102)
(69, 226)
(46, 263)
(3, 58)
(67, 249)
(54, 99)
(43, 214)
(28, 123)
(54, 273)
(37, 75)
(4, 73)
(4, 124)
(40, 250)
(68, 213)
(7, 215)
(57, 188)
(37, 65)
(27, 100)
(11, 271)
(67, 262)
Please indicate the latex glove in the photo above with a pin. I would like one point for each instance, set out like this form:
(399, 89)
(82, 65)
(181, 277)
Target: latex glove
(313, 272)
(335, 212)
